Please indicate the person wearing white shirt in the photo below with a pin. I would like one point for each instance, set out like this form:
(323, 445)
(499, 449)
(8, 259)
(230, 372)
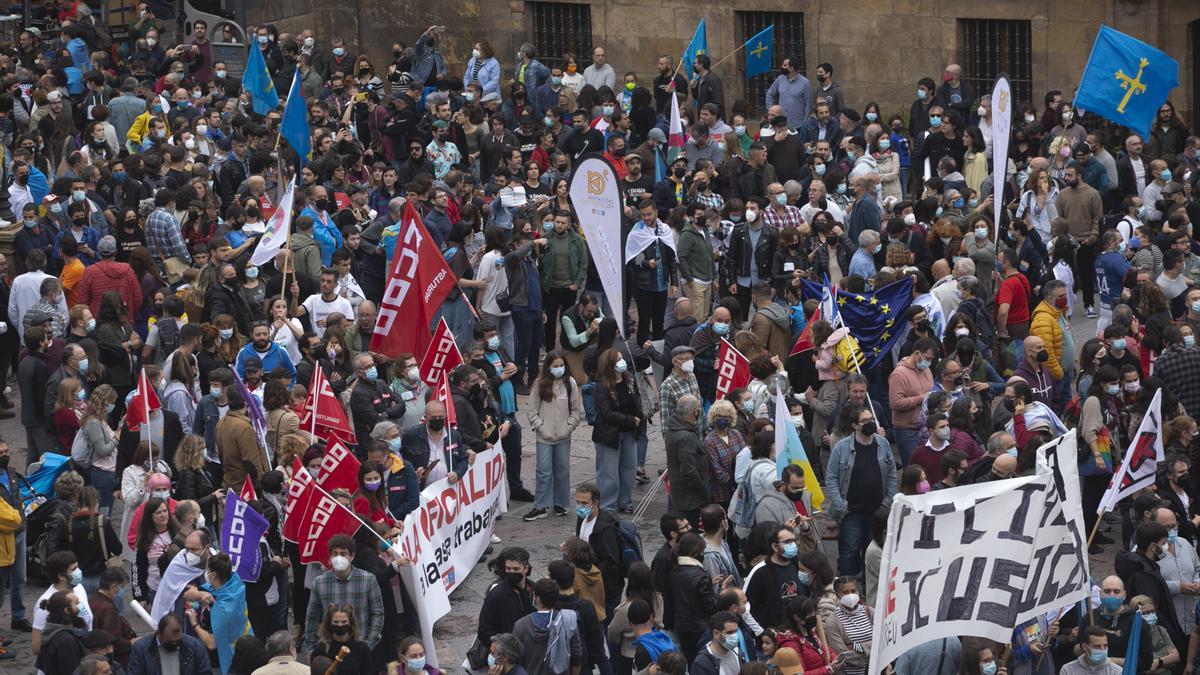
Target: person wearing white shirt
(320, 305)
(600, 73)
(27, 290)
(818, 203)
(1180, 569)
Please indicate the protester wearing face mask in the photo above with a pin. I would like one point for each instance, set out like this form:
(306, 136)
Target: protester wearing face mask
(340, 629)
(705, 343)
(1140, 569)
(349, 588)
(856, 488)
(63, 571)
(848, 627)
(908, 386)
(556, 409)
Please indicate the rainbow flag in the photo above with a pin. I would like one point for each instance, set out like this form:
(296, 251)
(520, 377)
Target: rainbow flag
(789, 450)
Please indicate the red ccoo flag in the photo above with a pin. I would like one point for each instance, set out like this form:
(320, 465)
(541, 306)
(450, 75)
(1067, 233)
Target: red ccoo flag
(300, 489)
(441, 357)
(324, 412)
(733, 369)
(443, 395)
(418, 283)
(339, 468)
(247, 492)
(142, 403)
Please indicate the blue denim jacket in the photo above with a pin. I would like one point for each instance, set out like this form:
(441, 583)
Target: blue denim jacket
(841, 465)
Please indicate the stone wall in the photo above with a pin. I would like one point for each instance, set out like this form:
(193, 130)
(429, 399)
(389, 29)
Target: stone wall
(879, 48)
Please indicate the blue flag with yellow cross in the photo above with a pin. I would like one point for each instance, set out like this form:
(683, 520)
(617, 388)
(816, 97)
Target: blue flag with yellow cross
(1126, 80)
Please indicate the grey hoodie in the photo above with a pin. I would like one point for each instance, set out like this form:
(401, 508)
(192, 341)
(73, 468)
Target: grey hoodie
(780, 315)
(550, 640)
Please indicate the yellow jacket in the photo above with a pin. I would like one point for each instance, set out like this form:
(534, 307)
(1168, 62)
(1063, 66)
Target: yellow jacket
(10, 522)
(1045, 324)
(139, 128)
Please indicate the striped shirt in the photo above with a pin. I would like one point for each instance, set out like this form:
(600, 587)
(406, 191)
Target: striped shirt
(857, 626)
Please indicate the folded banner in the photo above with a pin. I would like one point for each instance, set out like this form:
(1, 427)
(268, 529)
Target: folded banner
(596, 196)
(733, 369)
(447, 534)
(441, 357)
(241, 531)
(339, 468)
(323, 412)
(980, 559)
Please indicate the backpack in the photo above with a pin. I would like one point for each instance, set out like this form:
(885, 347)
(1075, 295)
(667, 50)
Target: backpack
(631, 545)
(81, 452)
(168, 340)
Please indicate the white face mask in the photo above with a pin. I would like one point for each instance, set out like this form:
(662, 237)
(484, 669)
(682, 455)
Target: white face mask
(850, 600)
(200, 522)
(751, 216)
(413, 374)
(340, 563)
(910, 219)
(688, 366)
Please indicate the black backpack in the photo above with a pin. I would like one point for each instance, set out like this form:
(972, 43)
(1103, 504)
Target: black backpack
(168, 340)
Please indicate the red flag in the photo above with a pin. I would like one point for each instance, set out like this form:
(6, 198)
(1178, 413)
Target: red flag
(443, 395)
(146, 397)
(441, 357)
(247, 492)
(733, 369)
(804, 342)
(300, 490)
(325, 518)
(418, 283)
(324, 412)
(339, 468)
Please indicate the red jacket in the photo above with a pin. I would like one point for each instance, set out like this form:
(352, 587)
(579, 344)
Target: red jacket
(809, 649)
(109, 275)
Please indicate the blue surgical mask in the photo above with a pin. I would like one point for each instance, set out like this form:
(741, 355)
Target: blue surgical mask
(251, 272)
(1097, 656)
(1112, 389)
(988, 668)
(923, 365)
(76, 577)
(1172, 535)
(607, 110)
(781, 198)
(841, 188)
(110, 407)
(1111, 603)
(790, 551)
(721, 328)
(339, 51)
(584, 512)
(557, 371)
(1135, 242)
(972, 203)
(395, 443)
(1121, 248)
(885, 144)
(921, 94)
(958, 203)
(493, 343)
(981, 233)
(78, 196)
(1011, 452)
(371, 373)
(621, 366)
(263, 39)
(878, 248)
(871, 117)
(850, 155)
(730, 641)
(491, 660)
(819, 169)
(1189, 341)
(740, 129)
(31, 223)
(1165, 174)
(225, 333)
(935, 121)
(419, 664)
(555, 81)
(83, 366)
(80, 395)
(1151, 618)
(119, 176)
(1119, 344)
(802, 576)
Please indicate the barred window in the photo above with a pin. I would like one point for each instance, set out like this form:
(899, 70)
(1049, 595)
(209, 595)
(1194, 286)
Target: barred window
(559, 27)
(789, 44)
(990, 47)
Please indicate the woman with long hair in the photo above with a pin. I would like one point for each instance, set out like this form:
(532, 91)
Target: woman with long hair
(207, 357)
(179, 396)
(68, 408)
(101, 442)
(337, 361)
(387, 191)
(231, 341)
(370, 499)
(555, 410)
(560, 199)
(817, 573)
(281, 421)
(339, 628)
(154, 536)
(618, 424)
(119, 342)
(285, 331)
(1090, 356)
(800, 613)
(964, 436)
(97, 373)
(1038, 205)
(192, 480)
(639, 588)
(1100, 429)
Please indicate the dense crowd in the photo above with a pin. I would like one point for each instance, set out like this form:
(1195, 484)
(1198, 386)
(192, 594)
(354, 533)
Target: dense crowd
(143, 182)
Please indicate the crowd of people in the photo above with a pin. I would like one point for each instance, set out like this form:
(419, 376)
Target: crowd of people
(144, 182)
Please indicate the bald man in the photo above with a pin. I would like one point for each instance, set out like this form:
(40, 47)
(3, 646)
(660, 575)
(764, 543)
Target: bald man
(1032, 369)
(679, 332)
(1116, 618)
(954, 92)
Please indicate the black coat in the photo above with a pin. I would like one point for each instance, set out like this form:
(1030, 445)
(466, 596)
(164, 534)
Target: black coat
(220, 300)
(606, 544)
(1142, 577)
(414, 448)
(372, 402)
(502, 607)
(615, 412)
(740, 256)
(695, 599)
(469, 427)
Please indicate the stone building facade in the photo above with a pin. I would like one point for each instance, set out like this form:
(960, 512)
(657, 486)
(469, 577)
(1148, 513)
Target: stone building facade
(879, 48)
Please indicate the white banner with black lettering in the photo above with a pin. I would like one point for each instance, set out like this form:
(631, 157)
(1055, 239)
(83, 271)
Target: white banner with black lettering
(981, 559)
(447, 534)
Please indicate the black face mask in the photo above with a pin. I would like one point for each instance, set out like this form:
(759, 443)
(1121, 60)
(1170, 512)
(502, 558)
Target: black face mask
(4, 463)
(170, 646)
(562, 168)
(80, 222)
(1043, 356)
(1010, 405)
(252, 213)
(514, 578)
(341, 630)
(437, 423)
(679, 172)
(322, 204)
(924, 326)
(869, 428)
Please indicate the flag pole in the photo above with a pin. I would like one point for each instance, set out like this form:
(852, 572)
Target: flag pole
(728, 56)
(149, 430)
(387, 545)
(313, 397)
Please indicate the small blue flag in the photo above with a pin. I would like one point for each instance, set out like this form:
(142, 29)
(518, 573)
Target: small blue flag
(1126, 80)
(876, 319)
(294, 126)
(257, 81)
(760, 52)
(698, 45)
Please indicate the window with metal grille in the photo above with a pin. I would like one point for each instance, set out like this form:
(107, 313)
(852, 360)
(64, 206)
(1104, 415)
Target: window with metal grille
(990, 47)
(789, 44)
(559, 27)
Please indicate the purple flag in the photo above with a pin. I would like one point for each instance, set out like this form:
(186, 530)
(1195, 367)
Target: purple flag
(241, 533)
(254, 411)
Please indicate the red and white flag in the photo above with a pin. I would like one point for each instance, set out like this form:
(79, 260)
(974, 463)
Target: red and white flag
(733, 369)
(804, 341)
(443, 395)
(142, 404)
(300, 489)
(323, 412)
(418, 283)
(247, 492)
(339, 468)
(1140, 466)
(441, 357)
(676, 139)
(324, 518)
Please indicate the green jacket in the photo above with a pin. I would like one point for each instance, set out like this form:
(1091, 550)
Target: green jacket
(576, 251)
(695, 257)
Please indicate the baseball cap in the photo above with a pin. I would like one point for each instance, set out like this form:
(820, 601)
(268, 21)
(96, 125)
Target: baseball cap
(107, 245)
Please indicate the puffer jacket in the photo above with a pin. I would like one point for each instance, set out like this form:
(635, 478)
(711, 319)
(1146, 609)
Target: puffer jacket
(1045, 324)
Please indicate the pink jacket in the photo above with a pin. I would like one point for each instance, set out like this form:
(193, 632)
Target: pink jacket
(907, 389)
(826, 356)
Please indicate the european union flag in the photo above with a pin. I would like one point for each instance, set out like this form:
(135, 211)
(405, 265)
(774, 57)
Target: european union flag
(698, 45)
(257, 81)
(1126, 80)
(760, 52)
(294, 125)
(876, 319)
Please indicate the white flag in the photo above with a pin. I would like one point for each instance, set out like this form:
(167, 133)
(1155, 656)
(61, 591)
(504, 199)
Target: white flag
(1001, 125)
(279, 228)
(596, 196)
(1140, 466)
